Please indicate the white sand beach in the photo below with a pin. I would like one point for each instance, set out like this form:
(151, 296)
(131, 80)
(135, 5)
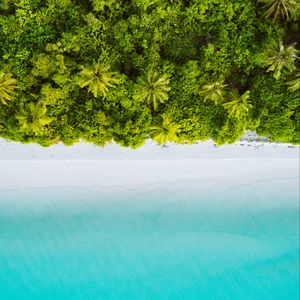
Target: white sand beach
(83, 165)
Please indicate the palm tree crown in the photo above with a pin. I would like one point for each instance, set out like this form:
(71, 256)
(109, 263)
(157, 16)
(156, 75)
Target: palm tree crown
(213, 90)
(279, 8)
(237, 105)
(97, 78)
(33, 118)
(7, 87)
(279, 57)
(164, 130)
(153, 89)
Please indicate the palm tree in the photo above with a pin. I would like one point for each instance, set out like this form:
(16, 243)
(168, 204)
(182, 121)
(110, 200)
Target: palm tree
(7, 87)
(33, 118)
(279, 8)
(97, 78)
(237, 105)
(280, 57)
(213, 90)
(153, 89)
(294, 83)
(164, 130)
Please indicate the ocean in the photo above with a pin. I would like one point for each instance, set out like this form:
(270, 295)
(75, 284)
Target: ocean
(173, 240)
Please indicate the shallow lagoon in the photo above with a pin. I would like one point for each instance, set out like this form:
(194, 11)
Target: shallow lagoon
(182, 240)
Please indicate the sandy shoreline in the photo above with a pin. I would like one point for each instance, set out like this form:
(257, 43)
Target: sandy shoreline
(12, 151)
(83, 165)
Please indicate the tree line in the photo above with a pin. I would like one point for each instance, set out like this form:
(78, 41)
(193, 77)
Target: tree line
(171, 70)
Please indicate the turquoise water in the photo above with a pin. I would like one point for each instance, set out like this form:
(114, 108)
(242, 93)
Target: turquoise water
(171, 241)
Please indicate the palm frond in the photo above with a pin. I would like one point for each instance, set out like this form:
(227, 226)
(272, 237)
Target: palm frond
(279, 57)
(32, 118)
(7, 87)
(237, 105)
(277, 9)
(153, 89)
(213, 90)
(294, 82)
(164, 130)
(98, 78)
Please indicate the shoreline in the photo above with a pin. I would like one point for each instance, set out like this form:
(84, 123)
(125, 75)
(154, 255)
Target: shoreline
(14, 151)
(84, 165)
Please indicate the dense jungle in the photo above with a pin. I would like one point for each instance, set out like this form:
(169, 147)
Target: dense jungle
(128, 70)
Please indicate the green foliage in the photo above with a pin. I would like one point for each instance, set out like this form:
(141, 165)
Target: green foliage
(153, 89)
(32, 118)
(279, 9)
(213, 90)
(7, 87)
(124, 70)
(275, 109)
(43, 65)
(231, 131)
(164, 130)
(5, 5)
(237, 105)
(97, 78)
(279, 57)
(294, 82)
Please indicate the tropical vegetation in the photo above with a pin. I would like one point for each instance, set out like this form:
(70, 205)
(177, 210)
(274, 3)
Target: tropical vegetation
(7, 87)
(32, 118)
(281, 57)
(279, 9)
(97, 78)
(213, 90)
(153, 89)
(164, 130)
(129, 70)
(294, 82)
(237, 105)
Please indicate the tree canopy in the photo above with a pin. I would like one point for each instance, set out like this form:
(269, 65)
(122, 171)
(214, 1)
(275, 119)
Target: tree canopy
(128, 70)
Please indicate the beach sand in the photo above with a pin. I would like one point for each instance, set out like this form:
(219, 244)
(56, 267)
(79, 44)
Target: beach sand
(30, 165)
